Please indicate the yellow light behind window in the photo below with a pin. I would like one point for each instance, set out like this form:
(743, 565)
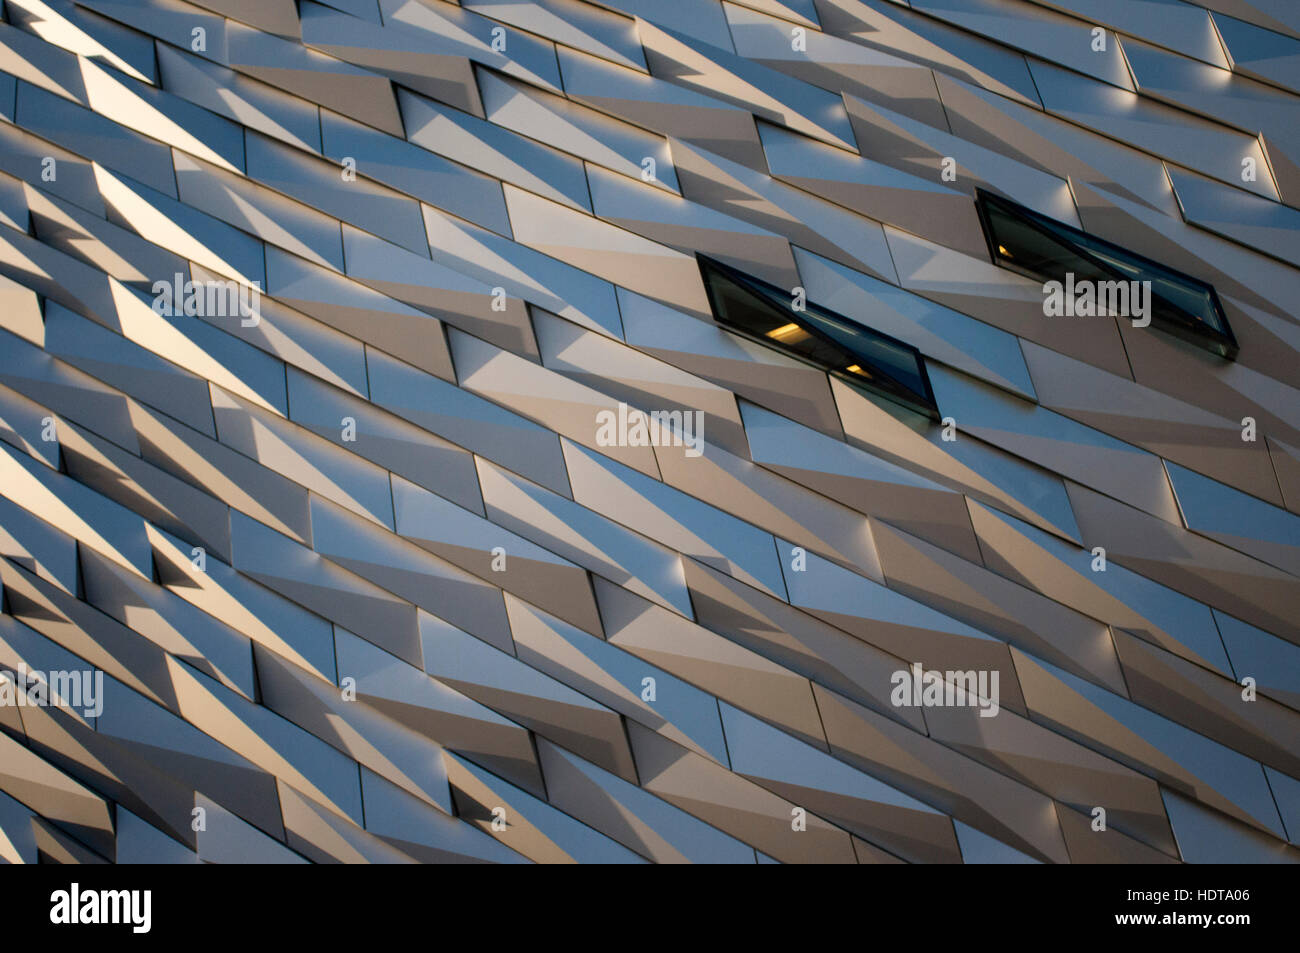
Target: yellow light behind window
(786, 332)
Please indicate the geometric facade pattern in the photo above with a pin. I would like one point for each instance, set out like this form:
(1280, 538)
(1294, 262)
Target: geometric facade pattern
(329, 332)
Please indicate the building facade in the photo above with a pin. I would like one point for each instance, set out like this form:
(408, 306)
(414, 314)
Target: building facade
(801, 431)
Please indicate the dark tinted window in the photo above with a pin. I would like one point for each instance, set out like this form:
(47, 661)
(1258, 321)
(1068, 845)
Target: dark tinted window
(876, 361)
(1033, 244)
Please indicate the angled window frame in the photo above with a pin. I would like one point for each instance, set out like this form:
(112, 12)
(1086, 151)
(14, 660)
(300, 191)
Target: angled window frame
(1165, 314)
(825, 352)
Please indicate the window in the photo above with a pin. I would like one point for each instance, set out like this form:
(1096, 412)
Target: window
(761, 311)
(1034, 245)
